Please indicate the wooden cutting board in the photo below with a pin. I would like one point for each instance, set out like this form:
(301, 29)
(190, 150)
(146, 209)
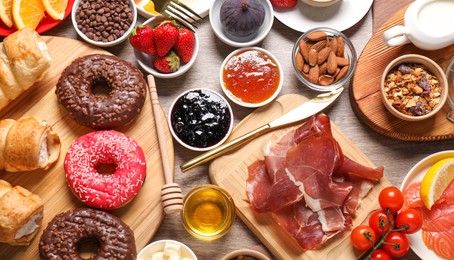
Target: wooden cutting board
(143, 214)
(230, 173)
(365, 90)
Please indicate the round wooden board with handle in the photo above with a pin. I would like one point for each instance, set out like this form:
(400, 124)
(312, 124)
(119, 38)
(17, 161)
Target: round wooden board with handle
(143, 214)
(365, 89)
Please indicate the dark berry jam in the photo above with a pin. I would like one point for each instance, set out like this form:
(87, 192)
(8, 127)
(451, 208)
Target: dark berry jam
(200, 118)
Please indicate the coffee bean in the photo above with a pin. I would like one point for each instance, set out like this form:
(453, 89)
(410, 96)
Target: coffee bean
(102, 20)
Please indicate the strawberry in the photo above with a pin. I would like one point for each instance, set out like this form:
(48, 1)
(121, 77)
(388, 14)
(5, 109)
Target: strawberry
(165, 37)
(167, 64)
(141, 38)
(283, 3)
(185, 44)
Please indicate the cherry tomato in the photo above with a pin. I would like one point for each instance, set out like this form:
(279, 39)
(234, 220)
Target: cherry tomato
(362, 237)
(380, 255)
(410, 219)
(396, 244)
(391, 198)
(379, 222)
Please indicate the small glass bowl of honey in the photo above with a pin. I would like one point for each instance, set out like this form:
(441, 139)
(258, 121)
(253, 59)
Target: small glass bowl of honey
(208, 212)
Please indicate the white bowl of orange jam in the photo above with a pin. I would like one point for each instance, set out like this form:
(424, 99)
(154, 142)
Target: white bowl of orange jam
(251, 77)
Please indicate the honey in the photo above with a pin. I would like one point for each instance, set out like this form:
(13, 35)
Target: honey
(208, 212)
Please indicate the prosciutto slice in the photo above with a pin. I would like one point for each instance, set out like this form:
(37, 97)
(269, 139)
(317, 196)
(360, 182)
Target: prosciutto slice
(308, 184)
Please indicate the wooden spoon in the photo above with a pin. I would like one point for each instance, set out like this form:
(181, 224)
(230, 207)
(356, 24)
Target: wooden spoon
(171, 195)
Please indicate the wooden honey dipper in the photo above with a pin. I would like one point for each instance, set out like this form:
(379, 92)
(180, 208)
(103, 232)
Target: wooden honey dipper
(171, 195)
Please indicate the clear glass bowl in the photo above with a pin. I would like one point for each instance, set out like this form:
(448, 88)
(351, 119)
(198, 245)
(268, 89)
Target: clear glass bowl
(349, 54)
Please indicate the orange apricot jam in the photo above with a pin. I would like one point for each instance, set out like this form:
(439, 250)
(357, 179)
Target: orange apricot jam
(251, 76)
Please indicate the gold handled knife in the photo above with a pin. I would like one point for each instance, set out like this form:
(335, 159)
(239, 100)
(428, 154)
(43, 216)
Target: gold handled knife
(300, 113)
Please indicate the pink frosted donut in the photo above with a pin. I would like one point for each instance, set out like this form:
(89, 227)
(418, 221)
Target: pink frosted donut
(105, 191)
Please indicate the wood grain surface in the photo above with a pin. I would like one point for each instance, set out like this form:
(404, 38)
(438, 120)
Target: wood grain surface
(230, 173)
(143, 214)
(381, 13)
(365, 90)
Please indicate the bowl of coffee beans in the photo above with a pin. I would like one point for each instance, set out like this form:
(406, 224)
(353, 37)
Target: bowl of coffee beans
(104, 23)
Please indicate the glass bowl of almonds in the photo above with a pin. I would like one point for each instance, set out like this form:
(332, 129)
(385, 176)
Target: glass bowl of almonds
(324, 59)
(413, 87)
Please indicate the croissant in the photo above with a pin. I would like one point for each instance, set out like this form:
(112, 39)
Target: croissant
(27, 144)
(24, 60)
(21, 214)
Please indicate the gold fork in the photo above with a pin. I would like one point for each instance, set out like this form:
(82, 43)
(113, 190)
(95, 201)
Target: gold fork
(174, 9)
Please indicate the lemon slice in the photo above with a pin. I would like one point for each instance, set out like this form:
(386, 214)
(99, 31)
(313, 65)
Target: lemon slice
(5, 12)
(149, 7)
(27, 13)
(55, 8)
(436, 180)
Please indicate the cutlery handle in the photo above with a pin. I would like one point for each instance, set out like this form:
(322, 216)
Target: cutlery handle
(220, 150)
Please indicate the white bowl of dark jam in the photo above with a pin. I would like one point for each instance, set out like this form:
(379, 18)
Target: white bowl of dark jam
(200, 119)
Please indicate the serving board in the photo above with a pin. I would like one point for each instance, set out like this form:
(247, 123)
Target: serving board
(365, 89)
(143, 214)
(230, 173)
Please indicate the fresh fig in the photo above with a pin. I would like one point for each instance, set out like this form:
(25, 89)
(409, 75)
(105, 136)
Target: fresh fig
(242, 18)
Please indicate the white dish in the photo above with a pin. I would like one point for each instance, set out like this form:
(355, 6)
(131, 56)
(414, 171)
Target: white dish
(216, 24)
(201, 7)
(158, 246)
(416, 174)
(339, 16)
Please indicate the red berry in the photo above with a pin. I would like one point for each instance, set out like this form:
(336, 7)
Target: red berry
(165, 37)
(141, 38)
(185, 44)
(283, 3)
(167, 64)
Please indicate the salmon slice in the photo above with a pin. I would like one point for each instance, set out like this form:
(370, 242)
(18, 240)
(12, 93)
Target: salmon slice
(440, 242)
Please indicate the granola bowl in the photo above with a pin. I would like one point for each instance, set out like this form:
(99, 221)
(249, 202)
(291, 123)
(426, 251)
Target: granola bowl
(413, 87)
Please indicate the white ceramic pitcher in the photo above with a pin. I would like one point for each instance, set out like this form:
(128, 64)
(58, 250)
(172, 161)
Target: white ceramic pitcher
(428, 24)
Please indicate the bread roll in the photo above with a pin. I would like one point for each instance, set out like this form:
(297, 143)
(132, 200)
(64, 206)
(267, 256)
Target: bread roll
(27, 144)
(24, 60)
(21, 214)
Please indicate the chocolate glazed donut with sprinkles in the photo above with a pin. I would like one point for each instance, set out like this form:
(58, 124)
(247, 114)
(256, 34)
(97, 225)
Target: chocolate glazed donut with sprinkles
(69, 230)
(125, 85)
(107, 148)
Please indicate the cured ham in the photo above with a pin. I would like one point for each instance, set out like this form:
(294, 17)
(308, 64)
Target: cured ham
(438, 222)
(309, 185)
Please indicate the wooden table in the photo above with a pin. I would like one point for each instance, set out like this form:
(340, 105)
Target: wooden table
(397, 156)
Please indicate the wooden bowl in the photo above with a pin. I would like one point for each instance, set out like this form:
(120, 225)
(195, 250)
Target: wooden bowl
(432, 67)
(245, 252)
(320, 3)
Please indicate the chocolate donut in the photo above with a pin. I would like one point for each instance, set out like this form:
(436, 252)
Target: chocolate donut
(120, 106)
(68, 230)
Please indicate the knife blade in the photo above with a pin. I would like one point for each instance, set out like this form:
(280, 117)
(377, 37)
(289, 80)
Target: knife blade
(307, 109)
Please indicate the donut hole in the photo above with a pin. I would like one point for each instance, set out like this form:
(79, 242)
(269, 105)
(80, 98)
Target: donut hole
(106, 168)
(101, 87)
(88, 247)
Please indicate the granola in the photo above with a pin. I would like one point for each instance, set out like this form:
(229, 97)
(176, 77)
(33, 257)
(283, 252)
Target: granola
(412, 90)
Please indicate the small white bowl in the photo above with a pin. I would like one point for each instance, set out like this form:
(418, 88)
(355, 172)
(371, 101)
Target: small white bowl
(200, 148)
(99, 43)
(158, 246)
(216, 24)
(237, 100)
(320, 3)
(146, 60)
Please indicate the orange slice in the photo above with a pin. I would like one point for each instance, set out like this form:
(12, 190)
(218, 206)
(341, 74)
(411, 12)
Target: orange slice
(5, 12)
(55, 8)
(27, 13)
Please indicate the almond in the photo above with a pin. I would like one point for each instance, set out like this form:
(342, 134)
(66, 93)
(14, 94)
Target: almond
(323, 68)
(342, 73)
(333, 44)
(340, 47)
(316, 36)
(306, 68)
(314, 74)
(313, 54)
(304, 49)
(326, 80)
(318, 46)
(341, 61)
(299, 60)
(332, 63)
(323, 55)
